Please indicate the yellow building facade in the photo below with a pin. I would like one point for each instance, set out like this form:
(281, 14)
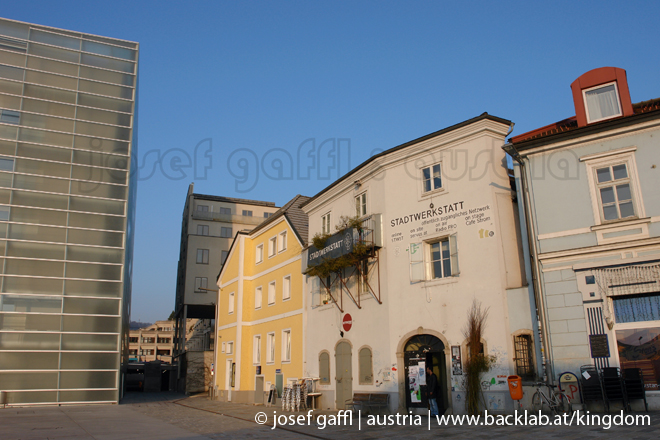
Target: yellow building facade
(260, 308)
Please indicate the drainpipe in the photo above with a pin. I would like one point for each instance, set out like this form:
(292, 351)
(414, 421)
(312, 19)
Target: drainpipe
(533, 251)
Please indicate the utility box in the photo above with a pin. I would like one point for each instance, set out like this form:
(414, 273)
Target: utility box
(515, 387)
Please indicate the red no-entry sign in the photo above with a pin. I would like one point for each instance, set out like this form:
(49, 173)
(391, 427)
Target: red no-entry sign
(347, 322)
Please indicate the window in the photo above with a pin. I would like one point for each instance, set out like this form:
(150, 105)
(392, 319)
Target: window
(270, 348)
(286, 345)
(202, 256)
(225, 211)
(267, 214)
(614, 192)
(258, 293)
(203, 208)
(431, 179)
(225, 232)
(230, 306)
(256, 350)
(281, 242)
(361, 204)
(286, 288)
(324, 368)
(325, 228)
(272, 243)
(223, 256)
(230, 348)
(133, 340)
(524, 357)
(4, 212)
(223, 347)
(6, 164)
(433, 259)
(247, 213)
(10, 116)
(320, 294)
(602, 102)
(259, 257)
(271, 293)
(202, 229)
(366, 366)
(201, 284)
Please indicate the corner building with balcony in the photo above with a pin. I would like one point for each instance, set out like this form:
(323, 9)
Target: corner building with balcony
(436, 228)
(68, 139)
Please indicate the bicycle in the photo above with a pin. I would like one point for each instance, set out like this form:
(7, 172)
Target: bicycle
(557, 402)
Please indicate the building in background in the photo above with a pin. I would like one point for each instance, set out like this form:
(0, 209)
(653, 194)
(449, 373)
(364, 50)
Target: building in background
(207, 231)
(592, 206)
(155, 342)
(260, 308)
(68, 132)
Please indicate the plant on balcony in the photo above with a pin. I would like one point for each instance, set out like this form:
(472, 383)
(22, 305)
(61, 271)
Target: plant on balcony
(335, 265)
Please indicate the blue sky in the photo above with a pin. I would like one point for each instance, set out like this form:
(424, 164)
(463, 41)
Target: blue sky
(250, 79)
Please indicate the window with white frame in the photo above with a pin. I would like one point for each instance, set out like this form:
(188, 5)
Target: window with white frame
(286, 288)
(433, 259)
(602, 102)
(272, 247)
(256, 350)
(201, 283)
(281, 241)
(230, 306)
(202, 229)
(286, 345)
(270, 348)
(230, 348)
(431, 178)
(361, 204)
(202, 256)
(258, 294)
(325, 226)
(259, 256)
(271, 293)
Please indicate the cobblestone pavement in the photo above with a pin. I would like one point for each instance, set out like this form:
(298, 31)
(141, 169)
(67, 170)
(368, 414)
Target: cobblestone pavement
(171, 416)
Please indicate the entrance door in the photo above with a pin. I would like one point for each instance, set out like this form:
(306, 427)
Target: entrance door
(428, 350)
(344, 376)
(228, 372)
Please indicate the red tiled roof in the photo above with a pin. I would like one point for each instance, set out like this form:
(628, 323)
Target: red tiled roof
(571, 123)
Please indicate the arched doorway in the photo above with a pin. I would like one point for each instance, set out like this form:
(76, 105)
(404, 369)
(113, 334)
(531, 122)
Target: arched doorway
(424, 350)
(344, 374)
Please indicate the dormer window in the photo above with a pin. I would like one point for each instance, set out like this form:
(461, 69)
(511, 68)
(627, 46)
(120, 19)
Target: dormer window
(602, 102)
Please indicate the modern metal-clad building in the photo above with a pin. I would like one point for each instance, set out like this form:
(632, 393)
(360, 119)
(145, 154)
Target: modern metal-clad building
(68, 131)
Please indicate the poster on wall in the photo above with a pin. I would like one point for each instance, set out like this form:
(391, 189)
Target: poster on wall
(456, 366)
(413, 384)
(421, 373)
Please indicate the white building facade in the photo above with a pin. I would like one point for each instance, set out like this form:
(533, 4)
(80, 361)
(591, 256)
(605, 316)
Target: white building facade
(442, 231)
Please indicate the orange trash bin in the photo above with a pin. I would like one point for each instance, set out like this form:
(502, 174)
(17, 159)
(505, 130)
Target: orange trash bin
(515, 387)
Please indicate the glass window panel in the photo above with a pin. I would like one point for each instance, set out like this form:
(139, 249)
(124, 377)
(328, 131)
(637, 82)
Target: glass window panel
(96, 221)
(13, 29)
(103, 116)
(102, 145)
(88, 379)
(43, 168)
(105, 103)
(20, 303)
(623, 192)
(37, 233)
(28, 381)
(43, 152)
(54, 39)
(34, 267)
(107, 50)
(89, 396)
(49, 108)
(445, 249)
(10, 116)
(100, 159)
(53, 52)
(13, 59)
(627, 209)
(45, 137)
(10, 72)
(49, 94)
(90, 342)
(99, 238)
(30, 322)
(638, 348)
(99, 174)
(603, 175)
(8, 132)
(41, 183)
(52, 66)
(39, 200)
(29, 361)
(437, 269)
(95, 205)
(602, 103)
(620, 171)
(35, 250)
(47, 122)
(437, 182)
(105, 89)
(107, 63)
(10, 102)
(93, 271)
(7, 147)
(89, 361)
(4, 213)
(4, 196)
(113, 41)
(43, 286)
(123, 79)
(29, 341)
(446, 267)
(93, 288)
(6, 164)
(107, 131)
(47, 79)
(609, 212)
(5, 180)
(607, 195)
(32, 397)
(14, 88)
(99, 190)
(91, 306)
(101, 255)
